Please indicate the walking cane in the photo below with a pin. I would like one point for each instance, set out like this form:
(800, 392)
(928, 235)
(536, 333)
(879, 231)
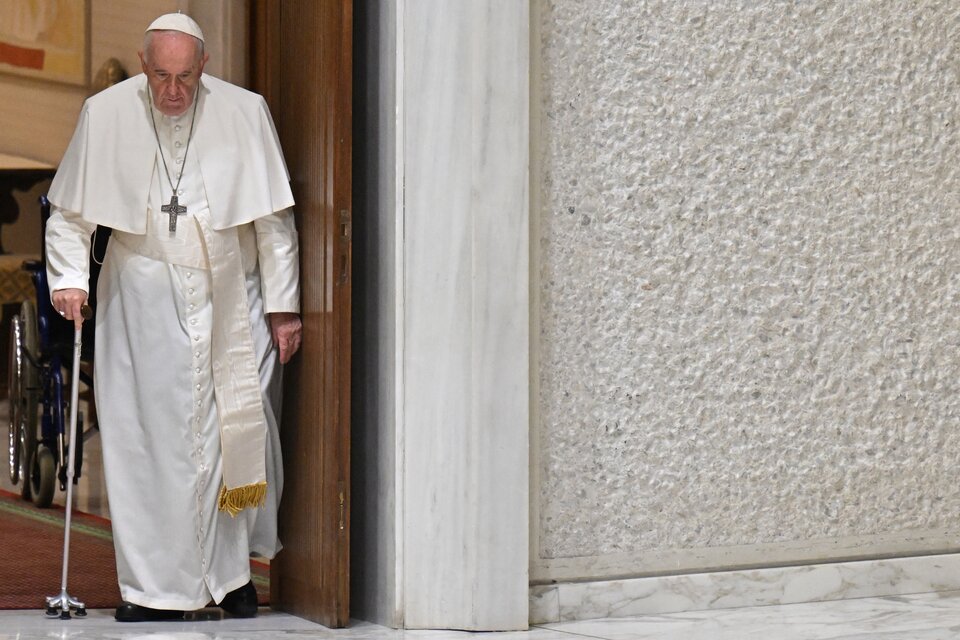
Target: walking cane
(60, 605)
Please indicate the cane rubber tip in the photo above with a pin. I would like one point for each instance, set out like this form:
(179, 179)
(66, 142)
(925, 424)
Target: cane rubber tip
(53, 612)
(80, 612)
(65, 614)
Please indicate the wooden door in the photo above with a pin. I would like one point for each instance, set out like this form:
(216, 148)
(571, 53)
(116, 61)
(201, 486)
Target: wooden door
(302, 64)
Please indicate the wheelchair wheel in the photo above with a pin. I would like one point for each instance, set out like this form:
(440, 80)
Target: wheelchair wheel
(23, 394)
(13, 394)
(43, 476)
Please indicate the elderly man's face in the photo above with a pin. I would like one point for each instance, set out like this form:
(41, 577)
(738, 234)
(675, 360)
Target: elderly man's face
(173, 66)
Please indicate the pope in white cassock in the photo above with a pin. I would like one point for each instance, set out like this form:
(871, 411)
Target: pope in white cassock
(198, 307)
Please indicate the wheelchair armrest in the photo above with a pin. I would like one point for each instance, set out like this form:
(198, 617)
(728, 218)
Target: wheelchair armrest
(32, 265)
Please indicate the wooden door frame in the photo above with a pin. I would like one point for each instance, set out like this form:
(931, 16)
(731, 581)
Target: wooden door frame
(310, 578)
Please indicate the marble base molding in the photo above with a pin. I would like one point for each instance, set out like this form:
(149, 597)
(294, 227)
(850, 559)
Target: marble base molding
(733, 589)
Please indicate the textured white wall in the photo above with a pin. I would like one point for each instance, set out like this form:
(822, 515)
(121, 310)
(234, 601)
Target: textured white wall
(749, 293)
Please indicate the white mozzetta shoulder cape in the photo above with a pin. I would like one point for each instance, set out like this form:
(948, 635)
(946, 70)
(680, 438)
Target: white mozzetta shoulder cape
(106, 172)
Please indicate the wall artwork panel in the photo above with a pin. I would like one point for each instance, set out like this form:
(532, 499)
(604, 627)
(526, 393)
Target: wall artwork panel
(46, 39)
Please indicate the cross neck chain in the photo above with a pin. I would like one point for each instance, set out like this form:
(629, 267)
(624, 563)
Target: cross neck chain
(174, 209)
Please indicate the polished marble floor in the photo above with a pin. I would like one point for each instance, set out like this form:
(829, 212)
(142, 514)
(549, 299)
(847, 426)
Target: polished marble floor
(917, 617)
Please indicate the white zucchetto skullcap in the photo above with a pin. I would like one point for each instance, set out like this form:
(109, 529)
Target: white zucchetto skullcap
(177, 22)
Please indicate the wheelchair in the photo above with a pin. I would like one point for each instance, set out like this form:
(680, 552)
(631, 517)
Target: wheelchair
(41, 357)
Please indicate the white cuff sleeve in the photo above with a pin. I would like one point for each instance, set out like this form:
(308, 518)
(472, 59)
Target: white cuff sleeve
(279, 256)
(68, 250)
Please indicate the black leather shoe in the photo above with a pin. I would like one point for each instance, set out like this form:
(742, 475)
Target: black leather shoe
(129, 612)
(242, 602)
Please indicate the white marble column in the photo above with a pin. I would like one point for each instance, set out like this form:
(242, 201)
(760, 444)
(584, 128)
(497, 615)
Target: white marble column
(465, 289)
(441, 345)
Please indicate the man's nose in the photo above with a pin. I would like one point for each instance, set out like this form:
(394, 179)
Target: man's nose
(173, 83)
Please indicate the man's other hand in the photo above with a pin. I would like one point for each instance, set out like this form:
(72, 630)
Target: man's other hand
(287, 331)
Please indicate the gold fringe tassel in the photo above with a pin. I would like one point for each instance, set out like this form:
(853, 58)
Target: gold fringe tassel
(233, 501)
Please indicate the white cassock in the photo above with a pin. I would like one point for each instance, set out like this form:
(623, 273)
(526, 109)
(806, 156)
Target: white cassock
(156, 353)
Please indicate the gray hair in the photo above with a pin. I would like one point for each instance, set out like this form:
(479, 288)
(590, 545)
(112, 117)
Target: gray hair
(148, 42)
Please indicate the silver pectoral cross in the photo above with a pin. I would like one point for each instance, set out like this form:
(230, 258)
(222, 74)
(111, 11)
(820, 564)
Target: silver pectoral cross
(174, 209)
